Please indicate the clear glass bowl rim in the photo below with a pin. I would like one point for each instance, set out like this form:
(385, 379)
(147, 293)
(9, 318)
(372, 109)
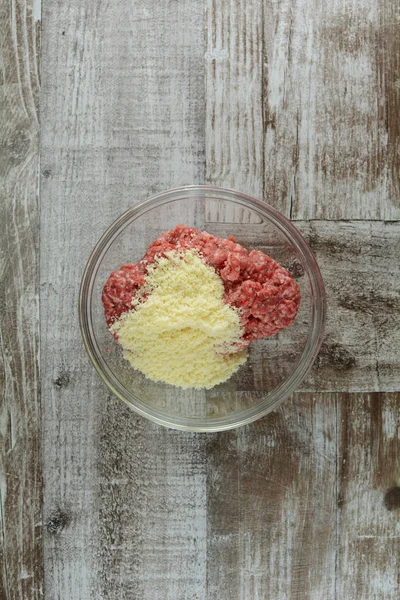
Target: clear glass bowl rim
(278, 395)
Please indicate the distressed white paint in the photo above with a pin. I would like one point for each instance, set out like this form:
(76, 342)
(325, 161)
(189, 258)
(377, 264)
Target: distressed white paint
(234, 135)
(306, 519)
(272, 505)
(360, 266)
(37, 10)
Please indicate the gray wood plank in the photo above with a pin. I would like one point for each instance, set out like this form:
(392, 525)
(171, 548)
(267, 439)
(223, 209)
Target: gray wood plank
(305, 505)
(20, 472)
(234, 133)
(306, 113)
(360, 265)
(123, 117)
(271, 490)
(151, 498)
(369, 497)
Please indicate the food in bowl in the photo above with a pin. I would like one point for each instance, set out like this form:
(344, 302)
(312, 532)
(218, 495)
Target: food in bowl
(185, 313)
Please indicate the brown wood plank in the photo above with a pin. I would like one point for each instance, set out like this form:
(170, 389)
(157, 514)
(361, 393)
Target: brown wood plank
(271, 511)
(123, 117)
(306, 114)
(369, 497)
(20, 472)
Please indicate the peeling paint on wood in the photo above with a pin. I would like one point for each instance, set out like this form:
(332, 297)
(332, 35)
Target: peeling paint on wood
(271, 508)
(151, 527)
(234, 135)
(368, 469)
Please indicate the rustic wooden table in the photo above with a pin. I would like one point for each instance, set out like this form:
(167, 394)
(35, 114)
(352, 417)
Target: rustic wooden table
(296, 102)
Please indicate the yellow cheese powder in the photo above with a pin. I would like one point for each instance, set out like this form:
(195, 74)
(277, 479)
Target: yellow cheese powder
(178, 333)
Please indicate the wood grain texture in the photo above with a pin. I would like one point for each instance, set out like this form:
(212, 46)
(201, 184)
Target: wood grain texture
(299, 502)
(151, 532)
(360, 265)
(272, 505)
(20, 471)
(317, 95)
(123, 117)
(369, 497)
(234, 134)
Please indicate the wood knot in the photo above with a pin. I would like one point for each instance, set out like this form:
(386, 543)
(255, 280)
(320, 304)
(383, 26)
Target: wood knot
(392, 498)
(46, 173)
(57, 522)
(337, 356)
(17, 147)
(62, 380)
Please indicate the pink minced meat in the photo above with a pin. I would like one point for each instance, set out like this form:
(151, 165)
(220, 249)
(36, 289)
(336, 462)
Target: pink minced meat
(266, 294)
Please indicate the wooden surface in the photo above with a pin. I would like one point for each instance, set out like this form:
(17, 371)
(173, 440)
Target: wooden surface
(112, 134)
(20, 469)
(298, 103)
(360, 262)
(303, 105)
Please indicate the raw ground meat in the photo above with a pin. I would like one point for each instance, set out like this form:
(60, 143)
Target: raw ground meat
(266, 294)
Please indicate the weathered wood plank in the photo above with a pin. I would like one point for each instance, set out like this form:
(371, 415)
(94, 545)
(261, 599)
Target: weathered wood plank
(123, 117)
(234, 134)
(20, 473)
(271, 510)
(151, 498)
(306, 114)
(304, 505)
(369, 497)
(360, 265)
(328, 95)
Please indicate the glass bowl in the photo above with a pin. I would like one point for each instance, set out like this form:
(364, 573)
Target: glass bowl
(275, 365)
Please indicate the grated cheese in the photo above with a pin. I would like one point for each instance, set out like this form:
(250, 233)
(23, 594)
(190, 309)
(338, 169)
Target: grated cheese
(181, 331)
